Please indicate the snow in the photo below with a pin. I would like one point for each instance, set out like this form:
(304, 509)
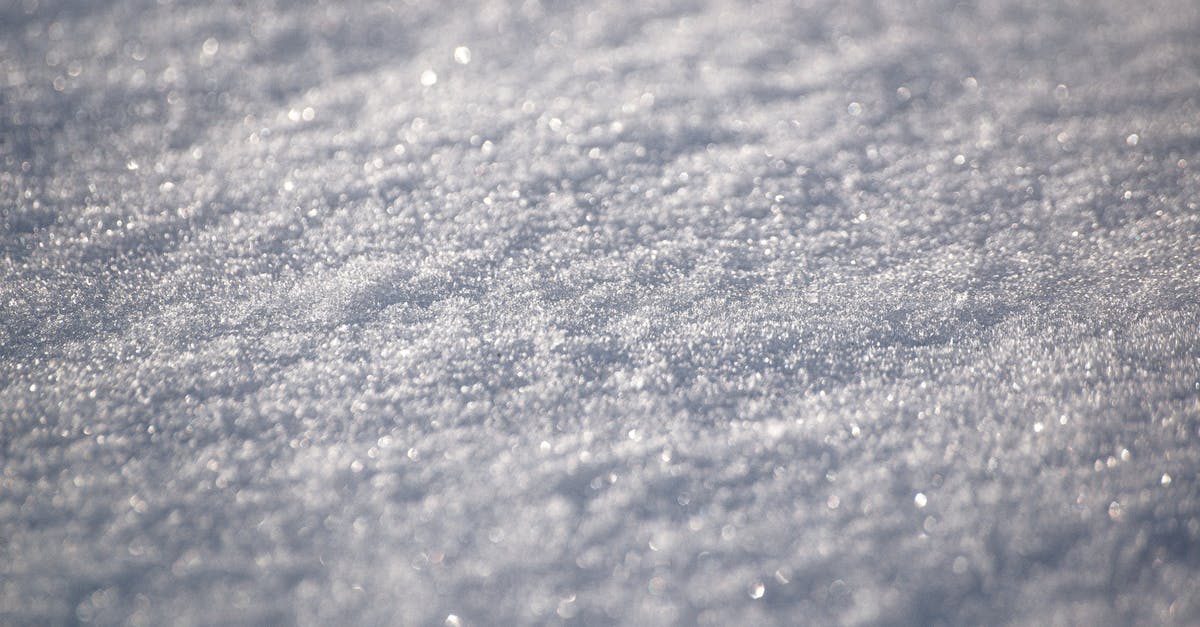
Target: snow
(667, 312)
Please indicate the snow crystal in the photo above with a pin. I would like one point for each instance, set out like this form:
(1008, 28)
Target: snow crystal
(833, 312)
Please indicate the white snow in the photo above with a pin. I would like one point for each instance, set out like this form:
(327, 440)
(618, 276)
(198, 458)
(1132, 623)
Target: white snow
(656, 312)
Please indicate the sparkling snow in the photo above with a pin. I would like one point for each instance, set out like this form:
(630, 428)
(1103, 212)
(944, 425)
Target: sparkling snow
(656, 312)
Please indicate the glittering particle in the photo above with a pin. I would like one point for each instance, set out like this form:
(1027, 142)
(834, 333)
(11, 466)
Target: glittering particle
(1061, 92)
(210, 46)
(833, 501)
(1132, 139)
(452, 620)
(1165, 480)
(839, 590)
(757, 590)
(854, 108)
(1114, 510)
(1038, 427)
(920, 500)
(567, 608)
(429, 78)
(462, 55)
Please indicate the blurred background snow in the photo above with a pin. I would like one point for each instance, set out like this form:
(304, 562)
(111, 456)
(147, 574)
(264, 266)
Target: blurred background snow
(660, 312)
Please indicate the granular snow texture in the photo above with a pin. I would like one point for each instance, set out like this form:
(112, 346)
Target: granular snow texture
(655, 312)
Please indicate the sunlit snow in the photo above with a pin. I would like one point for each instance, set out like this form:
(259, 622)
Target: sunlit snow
(654, 312)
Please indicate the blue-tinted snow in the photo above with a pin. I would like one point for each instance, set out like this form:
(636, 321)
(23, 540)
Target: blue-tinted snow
(671, 311)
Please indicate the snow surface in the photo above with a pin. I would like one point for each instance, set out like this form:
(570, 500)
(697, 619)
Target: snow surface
(655, 312)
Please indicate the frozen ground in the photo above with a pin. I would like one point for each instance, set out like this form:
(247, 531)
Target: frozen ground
(833, 312)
